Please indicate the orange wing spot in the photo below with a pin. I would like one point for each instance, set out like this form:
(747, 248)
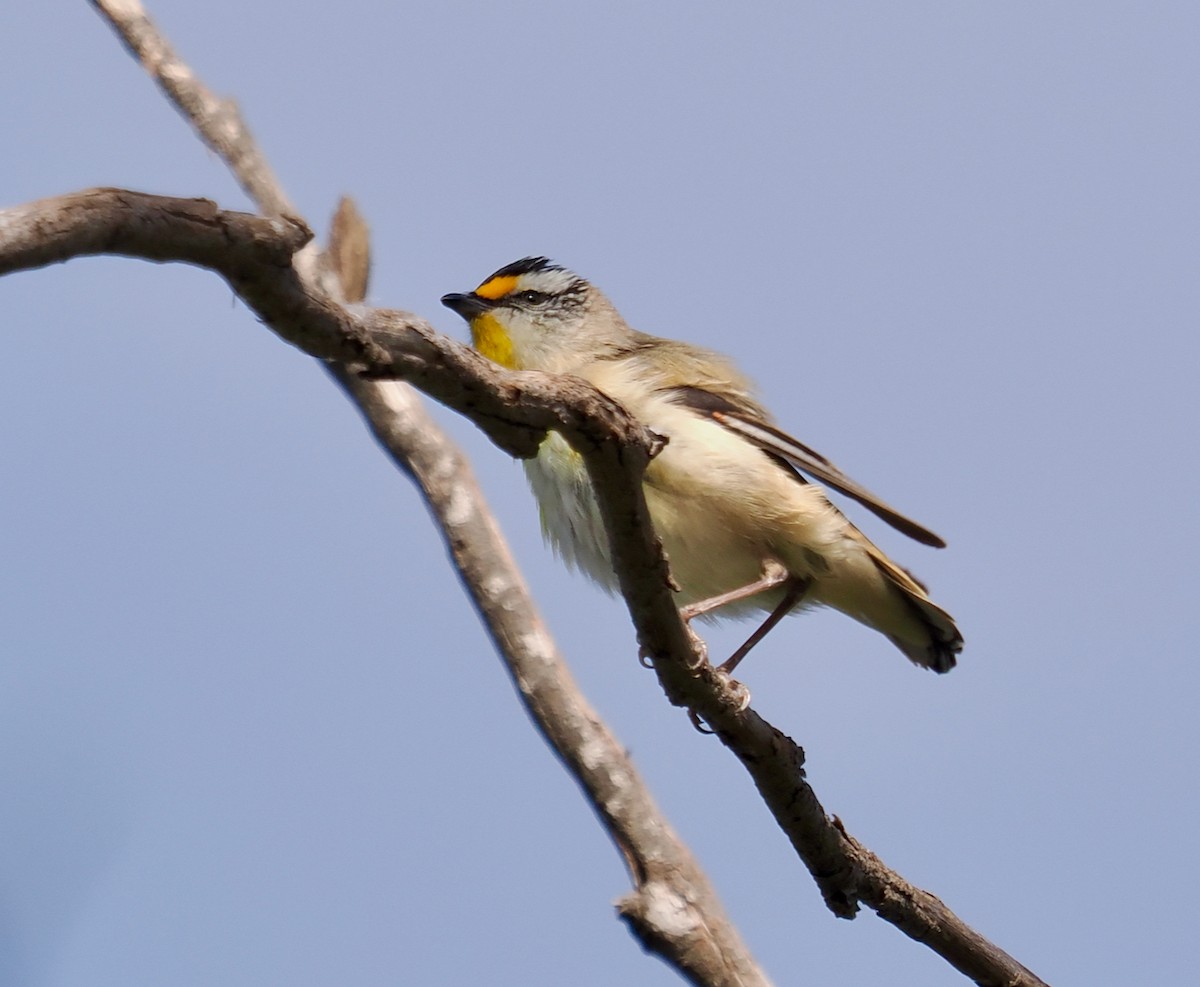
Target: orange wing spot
(496, 287)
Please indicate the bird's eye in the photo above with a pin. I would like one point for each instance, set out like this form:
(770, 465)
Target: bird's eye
(532, 297)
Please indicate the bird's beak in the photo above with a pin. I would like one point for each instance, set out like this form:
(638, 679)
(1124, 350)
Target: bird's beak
(468, 306)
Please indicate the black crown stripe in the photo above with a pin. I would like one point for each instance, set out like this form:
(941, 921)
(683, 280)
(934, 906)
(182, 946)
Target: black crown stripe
(526, 265)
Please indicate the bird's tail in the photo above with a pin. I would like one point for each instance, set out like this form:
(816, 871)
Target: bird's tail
(872, 589)
(938, 641)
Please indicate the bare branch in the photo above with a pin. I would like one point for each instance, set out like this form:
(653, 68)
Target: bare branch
(151, 227)
(516, 409)
(253, 253)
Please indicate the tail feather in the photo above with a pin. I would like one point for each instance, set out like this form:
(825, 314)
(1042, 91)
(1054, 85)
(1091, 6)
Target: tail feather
(943, 641)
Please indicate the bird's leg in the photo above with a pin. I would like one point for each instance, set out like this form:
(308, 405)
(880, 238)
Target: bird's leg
(795, 593)
(773, 574)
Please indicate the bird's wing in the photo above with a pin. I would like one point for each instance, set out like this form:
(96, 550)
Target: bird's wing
(742, 416)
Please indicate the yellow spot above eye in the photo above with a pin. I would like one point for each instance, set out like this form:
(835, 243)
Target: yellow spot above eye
(492, 339)
(496, 287)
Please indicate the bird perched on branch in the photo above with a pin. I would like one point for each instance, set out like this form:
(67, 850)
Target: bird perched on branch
(731, 495)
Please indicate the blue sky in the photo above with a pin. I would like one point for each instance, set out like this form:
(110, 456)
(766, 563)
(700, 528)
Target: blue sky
(251, 733)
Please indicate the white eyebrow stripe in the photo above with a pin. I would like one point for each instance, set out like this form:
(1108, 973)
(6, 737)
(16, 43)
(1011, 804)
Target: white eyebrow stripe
(552, 282)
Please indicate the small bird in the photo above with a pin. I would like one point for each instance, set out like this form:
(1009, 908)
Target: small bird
(743, 526)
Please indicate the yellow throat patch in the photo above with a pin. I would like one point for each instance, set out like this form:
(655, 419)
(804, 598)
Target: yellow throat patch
(493, 340)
